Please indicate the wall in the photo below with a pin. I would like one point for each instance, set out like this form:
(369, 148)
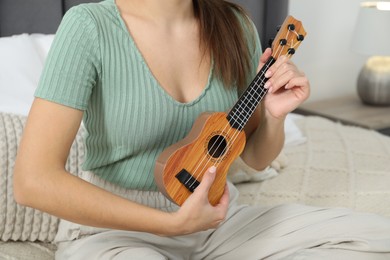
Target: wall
(272, 12)
(326, 55)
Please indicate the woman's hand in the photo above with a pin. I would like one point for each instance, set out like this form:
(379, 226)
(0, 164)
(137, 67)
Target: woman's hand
(287, 86)
(196, 213)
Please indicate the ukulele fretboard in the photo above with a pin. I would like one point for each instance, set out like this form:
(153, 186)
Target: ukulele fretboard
(241, 112)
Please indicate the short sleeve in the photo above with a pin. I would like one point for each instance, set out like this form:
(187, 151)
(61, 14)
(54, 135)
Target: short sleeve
(72, 67)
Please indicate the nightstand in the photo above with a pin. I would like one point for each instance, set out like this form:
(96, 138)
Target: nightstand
(351, 111)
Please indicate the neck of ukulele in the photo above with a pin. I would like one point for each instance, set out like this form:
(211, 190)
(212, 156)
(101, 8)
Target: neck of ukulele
(241, 112)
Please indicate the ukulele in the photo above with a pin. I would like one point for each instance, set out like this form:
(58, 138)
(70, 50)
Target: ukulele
(217, 138)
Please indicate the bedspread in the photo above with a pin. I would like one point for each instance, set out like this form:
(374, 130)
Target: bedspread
(339, 165)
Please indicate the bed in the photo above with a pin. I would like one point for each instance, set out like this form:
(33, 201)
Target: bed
(323, 163)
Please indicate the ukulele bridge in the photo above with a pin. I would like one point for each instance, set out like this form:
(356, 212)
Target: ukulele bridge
(187, 180)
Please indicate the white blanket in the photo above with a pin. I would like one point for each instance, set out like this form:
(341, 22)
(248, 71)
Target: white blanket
(337, 166)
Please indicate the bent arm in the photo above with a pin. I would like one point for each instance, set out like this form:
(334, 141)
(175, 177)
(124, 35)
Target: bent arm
(265, 139)
(41, 181)
(287, 89)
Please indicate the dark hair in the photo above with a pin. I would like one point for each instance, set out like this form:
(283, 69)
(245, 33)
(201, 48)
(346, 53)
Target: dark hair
(222, 34)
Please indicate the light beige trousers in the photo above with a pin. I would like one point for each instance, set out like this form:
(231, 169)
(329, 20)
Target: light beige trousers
(279, 232)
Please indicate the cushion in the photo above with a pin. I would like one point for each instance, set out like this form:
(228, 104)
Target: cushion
(19, 223)
(42, 43)
(20, 69)
(338, 165)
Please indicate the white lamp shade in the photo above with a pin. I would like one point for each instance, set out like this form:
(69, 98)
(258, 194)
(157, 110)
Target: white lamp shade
(372, 31)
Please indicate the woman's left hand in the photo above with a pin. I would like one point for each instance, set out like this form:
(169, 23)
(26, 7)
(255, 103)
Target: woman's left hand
(287, 86)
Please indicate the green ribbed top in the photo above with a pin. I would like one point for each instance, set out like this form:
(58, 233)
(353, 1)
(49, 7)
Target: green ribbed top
(95, 66)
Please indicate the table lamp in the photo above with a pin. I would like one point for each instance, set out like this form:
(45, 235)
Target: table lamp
(372, 37)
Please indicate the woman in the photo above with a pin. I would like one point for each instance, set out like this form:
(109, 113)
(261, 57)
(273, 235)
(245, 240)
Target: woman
(138, 73)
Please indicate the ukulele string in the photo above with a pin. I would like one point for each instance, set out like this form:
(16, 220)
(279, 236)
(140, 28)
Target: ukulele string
(297, 42)
(234, 137)
(236, 134)
(278, 54)
(220, 143)
(250, 95)
(263, 92)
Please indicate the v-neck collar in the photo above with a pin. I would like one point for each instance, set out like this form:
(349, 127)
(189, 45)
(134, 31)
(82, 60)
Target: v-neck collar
(149, 71)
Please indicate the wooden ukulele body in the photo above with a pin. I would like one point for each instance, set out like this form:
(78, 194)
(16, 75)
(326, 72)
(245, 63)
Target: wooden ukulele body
(180, 167)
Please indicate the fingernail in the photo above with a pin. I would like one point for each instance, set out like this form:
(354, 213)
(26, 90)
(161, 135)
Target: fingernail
(267, 84)
(268, 74)
(270, 90)
(212, 169)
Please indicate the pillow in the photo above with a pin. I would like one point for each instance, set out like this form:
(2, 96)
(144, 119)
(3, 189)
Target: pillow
(20, 69)
(19, 223)
(293, 135)
(42, 43)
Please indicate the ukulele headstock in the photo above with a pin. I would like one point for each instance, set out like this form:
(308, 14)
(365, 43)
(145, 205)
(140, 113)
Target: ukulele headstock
(289, 37)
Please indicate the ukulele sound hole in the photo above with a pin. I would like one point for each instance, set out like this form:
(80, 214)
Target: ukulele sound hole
(217, 146)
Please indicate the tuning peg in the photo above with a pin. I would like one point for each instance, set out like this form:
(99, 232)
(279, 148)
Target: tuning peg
(278, 28)
(300, 37)
(270, 41)
(283, 42)
(291, 51)
(291, 27)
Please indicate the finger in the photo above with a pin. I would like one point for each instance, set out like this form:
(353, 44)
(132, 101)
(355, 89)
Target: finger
(265, 56)
(207, 181)
(298, 82)
(224, 201)
(223, 205)
(301, 87)
(281, 78)
(286, 72)
(275, 67)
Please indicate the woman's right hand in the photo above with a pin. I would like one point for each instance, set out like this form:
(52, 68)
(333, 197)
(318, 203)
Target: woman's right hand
(196, 213)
